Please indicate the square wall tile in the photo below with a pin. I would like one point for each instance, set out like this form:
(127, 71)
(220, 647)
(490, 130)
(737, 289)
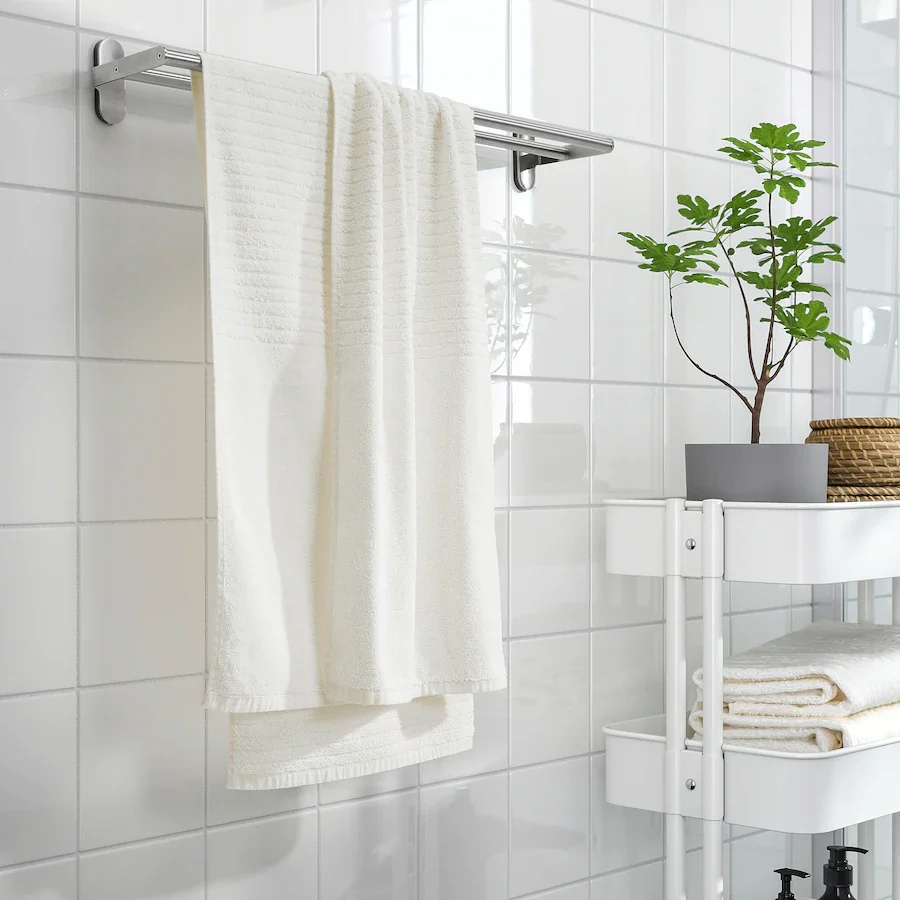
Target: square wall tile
(760, 92)
(579, 891)
(142, 441)
(549, 685)
(490, 749)
(383, 833)
(37, 258)
(141, 761)
(871, 135)
(870, 223)
(495, 265)
(143, 594)
(550, 570)
(37, 608)
(37, 791)
(37, 444)
(501, 530)
(549, 447)
(628, 196)
(871, 325)
(802, 33)
(627, 440)
(161, 870)
(273, 858)
(549, 822)
(53, 881)
(37, 71)
(628, 80)
(642, 883)
(547, 84)
(141, 282)
(493, 192)
(555, 213)
(636, 657)
(152, 154)
(762, 27)
(761, 852)
(709, 20)
(628, 319)
(697, 95)
(51, 10)
(176, 22)
(463, 851)
(548, 319)
(757, 628)
(693, 416)
(224, 805)
(376, 37)
(650, 11)
(620, 837)
(447, 25)
(870, 51)
(275, 34)
(619, 599)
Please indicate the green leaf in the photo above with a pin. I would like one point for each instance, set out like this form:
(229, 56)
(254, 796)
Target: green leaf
(840, 345)
(704, 278)
(770, 184)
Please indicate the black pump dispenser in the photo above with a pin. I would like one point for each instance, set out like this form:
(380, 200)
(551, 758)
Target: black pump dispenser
(786, 876)
(837, 873)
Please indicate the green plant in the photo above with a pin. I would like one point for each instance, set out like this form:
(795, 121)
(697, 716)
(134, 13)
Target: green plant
(744, 230)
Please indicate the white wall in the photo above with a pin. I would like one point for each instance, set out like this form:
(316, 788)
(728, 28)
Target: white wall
(111, 778)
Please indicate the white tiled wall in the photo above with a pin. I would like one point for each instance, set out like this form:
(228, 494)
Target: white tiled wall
(112, 776)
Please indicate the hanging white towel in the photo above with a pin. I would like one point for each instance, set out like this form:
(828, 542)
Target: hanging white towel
(357, 561)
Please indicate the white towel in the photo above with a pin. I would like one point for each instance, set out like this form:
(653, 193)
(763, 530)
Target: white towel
(356, 550)
(829, 685)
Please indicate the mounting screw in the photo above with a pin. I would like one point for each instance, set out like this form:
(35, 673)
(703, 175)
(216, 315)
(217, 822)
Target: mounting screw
(690, 784)
(690, 543)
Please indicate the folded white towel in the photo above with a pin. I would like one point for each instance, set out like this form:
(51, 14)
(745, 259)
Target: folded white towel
(356, 551)
(830, 685)
(807, 734)
(829, 668)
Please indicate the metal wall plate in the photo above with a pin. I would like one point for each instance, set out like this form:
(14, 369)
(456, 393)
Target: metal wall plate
(109, 99)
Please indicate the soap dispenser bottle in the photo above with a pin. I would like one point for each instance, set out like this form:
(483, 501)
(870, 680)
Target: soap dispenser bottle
(837, 873)
(786, 876)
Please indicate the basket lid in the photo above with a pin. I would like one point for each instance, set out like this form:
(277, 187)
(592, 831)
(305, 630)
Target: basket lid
(821, 424)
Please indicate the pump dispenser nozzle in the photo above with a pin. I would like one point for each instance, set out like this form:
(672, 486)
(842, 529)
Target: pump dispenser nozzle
(837, 873)
(786, 876)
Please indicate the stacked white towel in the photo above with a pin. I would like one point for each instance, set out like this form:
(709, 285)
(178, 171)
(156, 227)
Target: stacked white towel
(827, 686)
(359, 595)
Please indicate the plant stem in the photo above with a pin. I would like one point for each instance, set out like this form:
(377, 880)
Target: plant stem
(692, 361)
(746, 309)
(767, 356)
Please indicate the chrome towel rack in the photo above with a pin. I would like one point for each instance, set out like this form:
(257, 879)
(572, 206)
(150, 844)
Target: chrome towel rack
(532, 143)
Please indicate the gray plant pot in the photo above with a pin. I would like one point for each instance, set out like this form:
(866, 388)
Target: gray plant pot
(757, 473)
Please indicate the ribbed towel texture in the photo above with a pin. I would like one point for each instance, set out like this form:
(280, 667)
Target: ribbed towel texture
(357, 564)
(827, 686)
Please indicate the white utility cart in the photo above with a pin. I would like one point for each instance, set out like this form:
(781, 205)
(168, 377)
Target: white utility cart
(651, 764)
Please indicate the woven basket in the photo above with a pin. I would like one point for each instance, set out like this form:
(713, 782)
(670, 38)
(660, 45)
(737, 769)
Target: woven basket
(863, 454)
(841, 494)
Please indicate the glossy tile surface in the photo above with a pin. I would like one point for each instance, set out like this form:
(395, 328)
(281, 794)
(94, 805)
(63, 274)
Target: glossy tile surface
(44, 881)
(272, 858)
(141, 282)
(37, 71)
(161, 870)
(37, 444)
(142, 601)
(550, 562)
(383, 833)
(179, 22)
(549, 813)
(37, 257)
(549, 698)
(37, 791)
(37, 607)
(52, 10)
(142, 441)
(467, 822)
(141, 761)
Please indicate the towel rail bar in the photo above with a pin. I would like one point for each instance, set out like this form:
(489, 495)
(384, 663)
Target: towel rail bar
(531, 142)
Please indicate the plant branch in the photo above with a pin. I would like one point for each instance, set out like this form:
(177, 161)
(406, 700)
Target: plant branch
(693, 362)
(792, 345)
(767, 356)
(746, 309)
